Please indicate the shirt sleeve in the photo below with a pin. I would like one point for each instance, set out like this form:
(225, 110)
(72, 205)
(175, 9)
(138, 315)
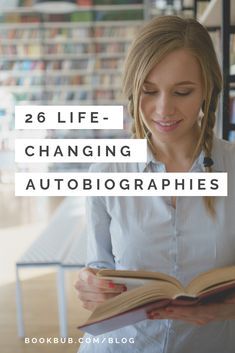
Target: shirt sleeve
(99, 246)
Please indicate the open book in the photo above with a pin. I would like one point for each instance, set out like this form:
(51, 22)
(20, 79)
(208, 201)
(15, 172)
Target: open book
(148, 290)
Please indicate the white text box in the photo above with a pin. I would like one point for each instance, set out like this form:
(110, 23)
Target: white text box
(69, 117)
(80, 150)
(121, 184)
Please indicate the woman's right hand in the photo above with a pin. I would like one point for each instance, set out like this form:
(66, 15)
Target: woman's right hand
(93, 290)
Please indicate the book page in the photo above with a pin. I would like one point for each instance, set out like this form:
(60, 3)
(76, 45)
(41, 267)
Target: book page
(130, 283)
(141, 275)
(212, 279)
(150, 293)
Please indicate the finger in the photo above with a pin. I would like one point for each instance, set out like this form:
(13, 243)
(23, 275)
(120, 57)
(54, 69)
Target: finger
(163, 315)
(158, 316)
(181, 314)
(90, 305)
(195, 313)
(115, 288)
(154, 316)
(95, 297)
(88, 275)
(192, 311)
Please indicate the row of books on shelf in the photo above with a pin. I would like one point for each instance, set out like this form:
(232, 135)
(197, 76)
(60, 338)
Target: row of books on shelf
(97, 31)
(41, 33)
(62, 64)
(85, 48)
(77, 16)
(108, 2)
(114, 47)
(18, 33)
(20, 49)
(21, 81)
(68, 48)
(48, 65)
(18, 18)
(60, 80)
(93, 80)
(123, 15)
(35, 65)
(107, 94)
(76, 95)
(108, 63)
(67, 33)
(106, 79)
(38, 49)
(52, 96)
(62, 48)
(122, 31)
(89, 2)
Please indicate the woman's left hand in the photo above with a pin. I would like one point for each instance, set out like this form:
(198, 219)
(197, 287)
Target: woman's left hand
(198, 314)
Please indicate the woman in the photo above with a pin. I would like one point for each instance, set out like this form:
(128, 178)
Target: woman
(173, 80)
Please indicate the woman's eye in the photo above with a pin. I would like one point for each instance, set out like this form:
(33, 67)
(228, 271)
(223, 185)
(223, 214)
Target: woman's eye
(183, 93)
(149, 92)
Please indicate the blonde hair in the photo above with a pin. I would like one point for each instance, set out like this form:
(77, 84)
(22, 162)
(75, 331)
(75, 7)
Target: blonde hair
(159, 37)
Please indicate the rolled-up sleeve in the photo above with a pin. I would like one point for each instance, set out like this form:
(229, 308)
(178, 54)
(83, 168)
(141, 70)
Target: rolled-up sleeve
(99, 246)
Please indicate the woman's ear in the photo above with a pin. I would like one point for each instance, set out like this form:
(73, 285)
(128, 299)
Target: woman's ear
(201, 113)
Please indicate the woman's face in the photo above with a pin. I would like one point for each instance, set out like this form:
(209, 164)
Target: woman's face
(172, 96)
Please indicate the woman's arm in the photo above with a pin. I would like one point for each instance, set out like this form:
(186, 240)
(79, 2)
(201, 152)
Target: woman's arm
(92, 290)
(99, 245)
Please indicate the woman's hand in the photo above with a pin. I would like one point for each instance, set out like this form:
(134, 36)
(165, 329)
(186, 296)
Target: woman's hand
(93, 290)
(198, 314)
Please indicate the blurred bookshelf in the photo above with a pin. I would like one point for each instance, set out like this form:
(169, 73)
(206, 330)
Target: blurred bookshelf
(219, 17)
(73, 58)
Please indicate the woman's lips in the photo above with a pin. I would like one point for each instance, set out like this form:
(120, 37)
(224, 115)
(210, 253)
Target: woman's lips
(165, 126)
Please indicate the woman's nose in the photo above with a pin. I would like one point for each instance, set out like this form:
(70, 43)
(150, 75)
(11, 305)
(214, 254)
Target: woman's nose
(165, 106)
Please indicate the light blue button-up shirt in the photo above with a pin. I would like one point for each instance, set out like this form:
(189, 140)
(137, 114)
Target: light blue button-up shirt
(148, 233)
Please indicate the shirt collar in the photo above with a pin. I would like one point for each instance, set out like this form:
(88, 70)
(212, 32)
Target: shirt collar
(143, 166)
(160, 167)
